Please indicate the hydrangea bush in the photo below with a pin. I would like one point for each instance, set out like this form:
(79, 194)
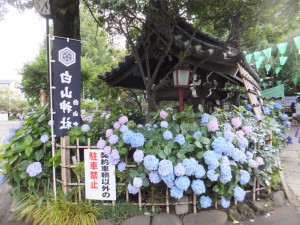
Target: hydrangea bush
(216, 156)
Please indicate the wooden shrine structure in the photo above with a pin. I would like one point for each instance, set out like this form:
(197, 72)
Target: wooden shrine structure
(212, 61)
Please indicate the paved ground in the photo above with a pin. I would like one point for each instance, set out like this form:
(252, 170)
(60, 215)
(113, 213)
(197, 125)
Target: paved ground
(285, 215)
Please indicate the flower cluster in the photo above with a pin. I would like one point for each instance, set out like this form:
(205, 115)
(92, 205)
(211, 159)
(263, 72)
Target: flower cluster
(34, 169)
(196, 152)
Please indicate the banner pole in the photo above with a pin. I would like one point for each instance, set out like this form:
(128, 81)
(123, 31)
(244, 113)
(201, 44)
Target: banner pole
(51, 106)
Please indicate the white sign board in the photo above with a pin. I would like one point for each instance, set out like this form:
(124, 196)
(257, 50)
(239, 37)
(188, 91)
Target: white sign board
(100, 178)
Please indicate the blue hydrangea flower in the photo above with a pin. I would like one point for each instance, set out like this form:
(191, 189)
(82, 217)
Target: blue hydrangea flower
(198, 187)
(243, 143)
(282, 136)
(289, 140)
(182, 183)
(283, 116)
(121, 166)
(2, 179)
(132, 189)
(124, 128)
(197, 133)
(151, 162)
(138, 156)
(9, 136)
(164, 124)
(154, 126)
(227, 127)
(154, 177)
(34, 169)
(180, 139)
(165, 167)
(113, 139)
(249, 107)
(85, 128)
(205, 201)
(127, 136)
(224, 202)
(179, 170)
(189, 166)
(229, 136)
(219, 144)
(167, 135)
(229, 150)
(199, 171)
(44, 138)
(114, 157)
(212, 175)
(211, 159)
(244, 177)
(267, 110)
(137, 140)
(19, 125)
(137, 182)
(288, 124)
(224, 179)
(239, 156)
(239, 194)
(277, 106)
(169, 180)
(176, 193)
(205, 119)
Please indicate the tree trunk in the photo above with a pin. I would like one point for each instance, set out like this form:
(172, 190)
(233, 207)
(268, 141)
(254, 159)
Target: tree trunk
(66, 19)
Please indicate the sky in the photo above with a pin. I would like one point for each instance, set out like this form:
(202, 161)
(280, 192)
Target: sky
(21, 35)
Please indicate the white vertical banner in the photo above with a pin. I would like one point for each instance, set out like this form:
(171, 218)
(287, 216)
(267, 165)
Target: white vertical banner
(100, 178)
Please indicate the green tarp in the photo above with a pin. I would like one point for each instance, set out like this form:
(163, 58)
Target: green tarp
(275, 92)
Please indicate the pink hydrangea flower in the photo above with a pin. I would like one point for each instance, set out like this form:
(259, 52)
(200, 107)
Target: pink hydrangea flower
(107, 150)
(123, 119)
(240, 133)
(117, 125)
(109, 132)
(247, 129)
(260, 161)
(212, 125)
(253, 163)
(163, 114)
(101, 143)
(236, 122)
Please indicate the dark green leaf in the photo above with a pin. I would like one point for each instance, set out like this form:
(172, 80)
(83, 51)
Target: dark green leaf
(28, 151)
(161, 154)
(28, 140)
(31, 182)
(39, 155)
(23, 165)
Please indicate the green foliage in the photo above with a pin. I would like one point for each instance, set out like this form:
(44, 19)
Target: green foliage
(79, 170)
(53, 211)
(119, 212)
(275, 180)
(24, 148)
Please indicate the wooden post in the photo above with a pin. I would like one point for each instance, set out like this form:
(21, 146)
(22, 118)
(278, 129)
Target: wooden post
(65, 162)
(194, 202)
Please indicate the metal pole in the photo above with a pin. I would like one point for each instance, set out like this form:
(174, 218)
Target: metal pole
(51, 106)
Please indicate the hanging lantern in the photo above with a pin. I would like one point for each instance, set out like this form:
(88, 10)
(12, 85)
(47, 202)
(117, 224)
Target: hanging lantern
(282, 47)
(256, 55)
(268, 52)
(282, 60)
(268, 67)
(277, 70)
(248, 57)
